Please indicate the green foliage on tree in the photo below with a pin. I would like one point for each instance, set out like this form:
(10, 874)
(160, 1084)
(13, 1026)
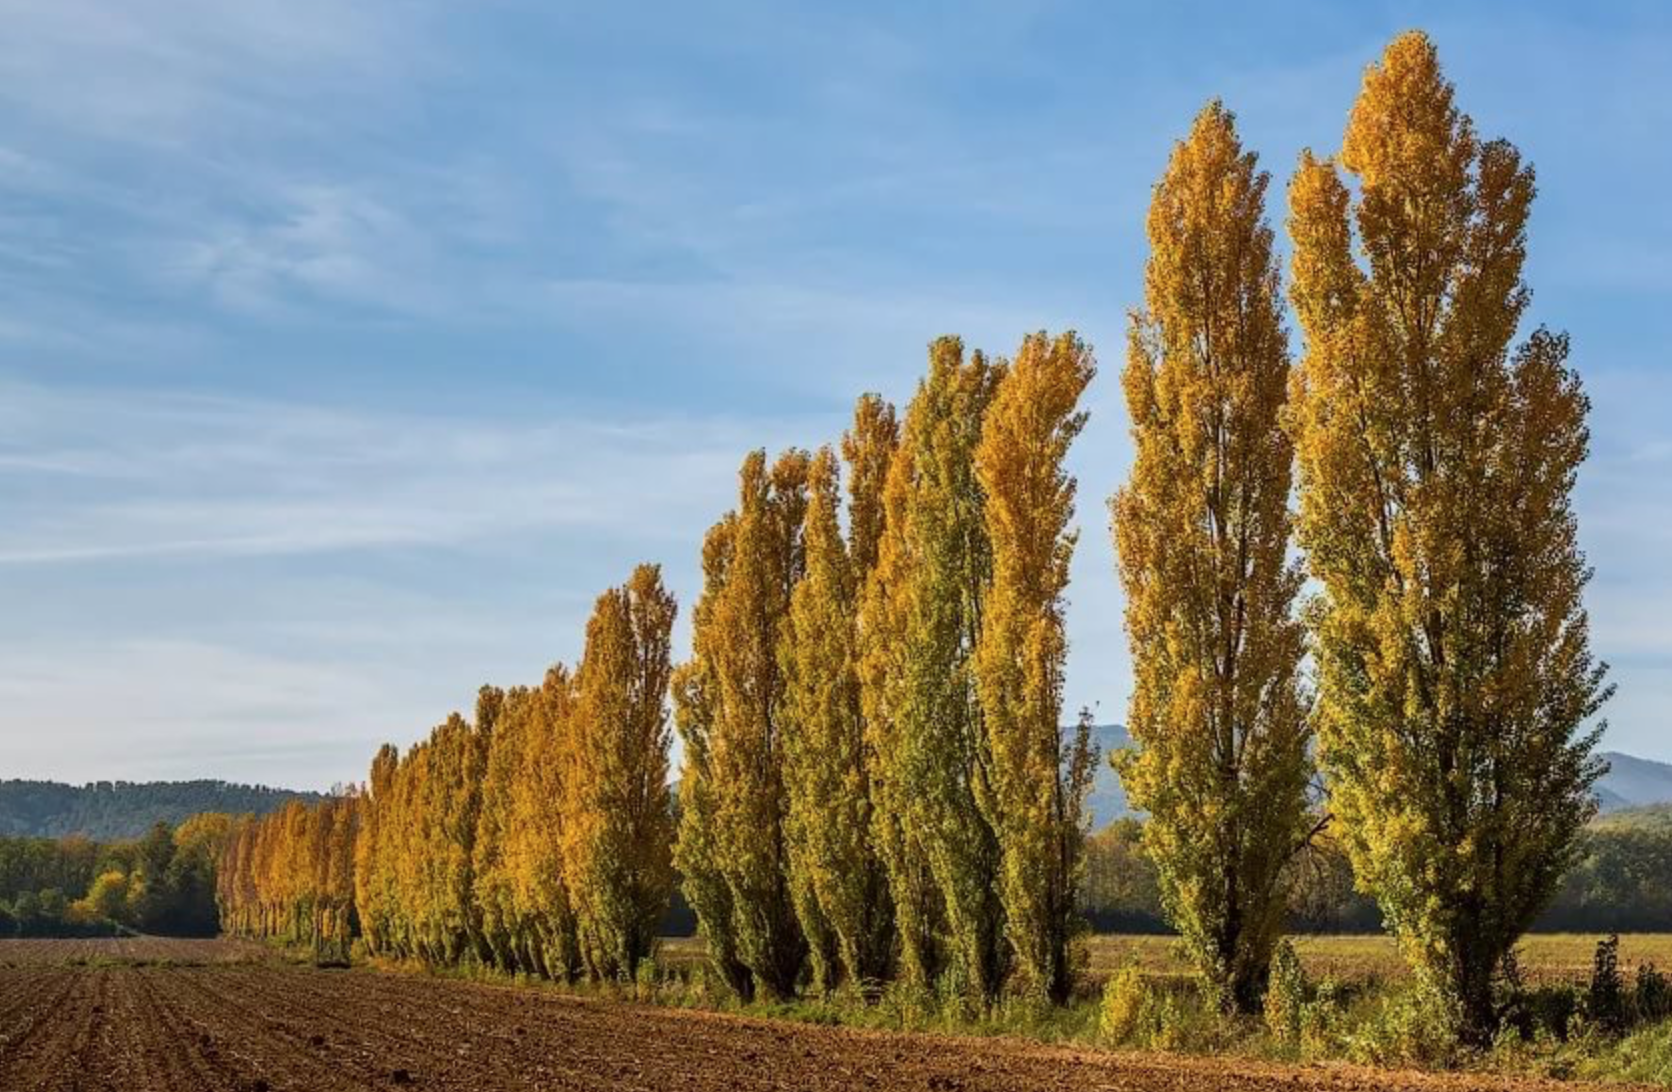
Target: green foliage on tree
(1033, 790)
(1438, 464)
(1202, 531)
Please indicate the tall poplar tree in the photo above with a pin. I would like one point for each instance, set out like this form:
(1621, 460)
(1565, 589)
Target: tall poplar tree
(837, 879)
(1437, 470)
(1034, 793)
(1202, 531)
(493, 893)
(697, 850)
(922, 621)
(374, 880)
(618, 860)
(543, 904)
(736, 647)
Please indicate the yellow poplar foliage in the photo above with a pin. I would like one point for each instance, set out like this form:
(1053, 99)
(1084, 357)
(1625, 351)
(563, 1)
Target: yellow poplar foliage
(1034, 793)
(1202, 530)
(1437, 469)
(619, 830)
(837, 880)
(541, 902)
(921, 620)
(523, 899)
(375, 894)
(868, 449)
(697, 850)
(290, 876)
(738, 627)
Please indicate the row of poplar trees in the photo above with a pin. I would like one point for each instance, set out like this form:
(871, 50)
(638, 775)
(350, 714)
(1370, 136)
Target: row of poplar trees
(876, 785)
(289, 875)
(536, 838)
(1434, 457)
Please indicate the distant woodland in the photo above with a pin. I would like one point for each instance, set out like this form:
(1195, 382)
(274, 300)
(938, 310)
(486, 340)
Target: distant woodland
(162, 883)
(107, 811)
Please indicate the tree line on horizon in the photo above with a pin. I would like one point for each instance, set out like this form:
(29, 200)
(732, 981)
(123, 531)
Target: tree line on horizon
(876, 783)
(162, 883)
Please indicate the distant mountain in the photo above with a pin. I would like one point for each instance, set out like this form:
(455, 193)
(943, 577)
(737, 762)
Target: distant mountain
(114, 810)
(1108, 799)
(1631, 782)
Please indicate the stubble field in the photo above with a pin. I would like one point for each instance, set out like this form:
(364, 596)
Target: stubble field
(170, 1016)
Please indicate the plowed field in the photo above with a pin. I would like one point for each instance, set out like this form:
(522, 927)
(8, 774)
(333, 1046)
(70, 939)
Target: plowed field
(179, 1026)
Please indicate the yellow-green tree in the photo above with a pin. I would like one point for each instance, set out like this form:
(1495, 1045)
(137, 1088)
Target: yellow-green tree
(1033, 794)
(289, 875)
(837, 879)
(735, 641)
(1437, 469)
(697, 849)
(520, 891)
(618, 855)
(921, 621)
(375, 892)
(1202, 530)
(542, 903)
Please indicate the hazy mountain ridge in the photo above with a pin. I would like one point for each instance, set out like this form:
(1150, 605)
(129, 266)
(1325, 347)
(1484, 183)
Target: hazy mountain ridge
(125, 809)
(1630, 783)
(115, 810)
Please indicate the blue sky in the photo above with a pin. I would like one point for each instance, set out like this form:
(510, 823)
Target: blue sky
(348, 349)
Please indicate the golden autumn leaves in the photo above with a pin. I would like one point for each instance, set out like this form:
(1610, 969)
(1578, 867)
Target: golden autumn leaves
(535, 838)
(1203, 530)
(1436, 466)
(876, 784)
(873, 783)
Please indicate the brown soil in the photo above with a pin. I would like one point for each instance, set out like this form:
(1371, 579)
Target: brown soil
(180, 1026)
(101, 950)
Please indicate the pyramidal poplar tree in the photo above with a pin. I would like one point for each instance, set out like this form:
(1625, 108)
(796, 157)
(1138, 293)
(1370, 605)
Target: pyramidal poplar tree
(618, 860)
(1202, 534)
(697, 851)
(1034, 794)
(921, 622)
(838, 880)
(1438, 460)
(736, 647)
(494, 890)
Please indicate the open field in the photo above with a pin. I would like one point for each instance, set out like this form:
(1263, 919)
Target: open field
(132, 950)
(1546, 958)
(198, 1020)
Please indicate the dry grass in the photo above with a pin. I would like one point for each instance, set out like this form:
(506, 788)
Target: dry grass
(1545, 957)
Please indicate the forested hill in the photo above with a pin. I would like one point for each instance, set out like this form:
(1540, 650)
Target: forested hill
(113, 810)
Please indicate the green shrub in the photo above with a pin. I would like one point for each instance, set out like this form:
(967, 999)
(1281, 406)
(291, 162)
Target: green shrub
(1645, 1056)
(644, 980)
(953, 994)
(1651, 996)
(1546, 1010)
(1164, 1022)
(1415, 1026)
(1125, 1003)
(1605, 1004)
(1323, 1021)
(1285, 996)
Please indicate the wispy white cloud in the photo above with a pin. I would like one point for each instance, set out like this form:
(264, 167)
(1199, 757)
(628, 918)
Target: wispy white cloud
(171, 74)
(180, 475)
